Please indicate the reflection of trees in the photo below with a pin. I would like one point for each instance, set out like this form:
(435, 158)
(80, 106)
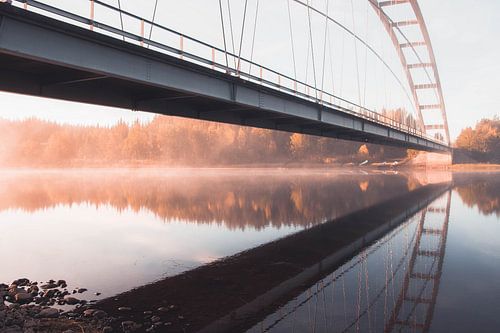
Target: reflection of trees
(485, 194)
(235, 201)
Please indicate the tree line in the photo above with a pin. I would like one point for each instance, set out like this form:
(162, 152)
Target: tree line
(482, 142)
(172, 141)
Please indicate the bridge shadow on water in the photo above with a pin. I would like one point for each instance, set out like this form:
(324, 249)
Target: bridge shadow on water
(252, 290)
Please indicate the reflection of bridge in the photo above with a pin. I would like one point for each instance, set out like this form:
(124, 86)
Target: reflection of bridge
(233, 294)
(195, 79)
(391, 286)
(422, 278)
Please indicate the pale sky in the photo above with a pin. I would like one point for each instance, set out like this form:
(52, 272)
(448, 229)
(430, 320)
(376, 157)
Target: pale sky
(463, 34)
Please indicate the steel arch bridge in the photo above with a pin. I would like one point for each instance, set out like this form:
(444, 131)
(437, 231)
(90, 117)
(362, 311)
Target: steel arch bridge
(255, 94)
(402, 44)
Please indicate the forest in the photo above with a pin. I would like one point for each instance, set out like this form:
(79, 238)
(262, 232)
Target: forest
(481, 143)
(172, 141)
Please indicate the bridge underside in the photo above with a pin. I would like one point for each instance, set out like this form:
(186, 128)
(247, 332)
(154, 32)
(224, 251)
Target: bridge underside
(44, 57)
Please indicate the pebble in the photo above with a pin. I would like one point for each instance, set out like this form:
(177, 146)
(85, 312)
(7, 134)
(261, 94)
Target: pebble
(14, 329)
(124, 308)
(155, 319)
(29, 303)
(49, 286)
(88, 312)
(163, 309)
(129, 326)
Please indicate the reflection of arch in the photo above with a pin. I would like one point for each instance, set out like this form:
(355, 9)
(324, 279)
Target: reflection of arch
(424, 65)
(365, 298)
(428, 280)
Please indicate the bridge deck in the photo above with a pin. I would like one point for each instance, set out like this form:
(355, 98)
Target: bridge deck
(45, 57)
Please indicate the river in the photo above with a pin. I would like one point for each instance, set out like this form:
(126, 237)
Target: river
(112, 230)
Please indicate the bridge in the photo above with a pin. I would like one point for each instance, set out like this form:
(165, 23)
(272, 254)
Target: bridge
(57, 53)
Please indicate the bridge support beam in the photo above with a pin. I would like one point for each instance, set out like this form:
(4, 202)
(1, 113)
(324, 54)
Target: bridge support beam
(85, 66)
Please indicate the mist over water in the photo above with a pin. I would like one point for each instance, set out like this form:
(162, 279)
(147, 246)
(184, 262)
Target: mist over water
(114, 229)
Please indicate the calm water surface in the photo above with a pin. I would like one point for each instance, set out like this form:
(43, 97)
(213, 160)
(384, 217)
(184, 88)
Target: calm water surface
(437, 272)
(113, 230)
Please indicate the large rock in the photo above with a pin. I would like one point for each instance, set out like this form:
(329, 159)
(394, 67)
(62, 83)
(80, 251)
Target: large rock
(23, 298)
(50, 285)
(71, 300)
(21, 282)
(13, 290)
(49, 313)
(99, 314)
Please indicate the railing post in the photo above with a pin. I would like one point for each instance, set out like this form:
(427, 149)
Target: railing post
(91, 26)
(142, 32)
(181, 46)
(213, 58)
(260, 74)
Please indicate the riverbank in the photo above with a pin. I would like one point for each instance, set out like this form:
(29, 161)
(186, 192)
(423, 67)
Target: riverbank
(475, 167)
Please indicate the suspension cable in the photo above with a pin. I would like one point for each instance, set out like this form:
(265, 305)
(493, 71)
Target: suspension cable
(291, 40)
(121, 17)
(356, 53)
(231, 30)
(241, 37)
(324, 47)
(253, 37)
(343, 27)
(152, 20)
(332, 63)
(312, 50)
(342, 58)
(223, 34)
(366, 57)
(307, 58)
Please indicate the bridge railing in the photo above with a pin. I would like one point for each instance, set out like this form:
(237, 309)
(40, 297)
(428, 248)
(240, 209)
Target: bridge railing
(187, 48)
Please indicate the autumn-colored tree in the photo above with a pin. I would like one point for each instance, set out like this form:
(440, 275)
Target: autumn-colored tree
(170, 141)
(483, 139)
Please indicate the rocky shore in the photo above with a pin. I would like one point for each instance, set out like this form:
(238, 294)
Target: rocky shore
(29, 306)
